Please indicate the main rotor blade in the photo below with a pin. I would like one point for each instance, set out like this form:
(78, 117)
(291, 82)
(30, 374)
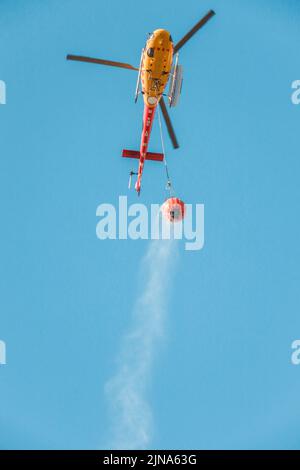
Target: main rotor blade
(168, 123)
(111, 63)
(194, 30)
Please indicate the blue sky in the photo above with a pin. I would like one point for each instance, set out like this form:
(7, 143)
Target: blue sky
(223, 378)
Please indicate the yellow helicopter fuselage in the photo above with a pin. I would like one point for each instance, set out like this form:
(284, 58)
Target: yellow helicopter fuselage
(156, 66)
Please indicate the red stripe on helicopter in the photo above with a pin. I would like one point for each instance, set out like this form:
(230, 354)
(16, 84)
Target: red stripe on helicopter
(147, 126)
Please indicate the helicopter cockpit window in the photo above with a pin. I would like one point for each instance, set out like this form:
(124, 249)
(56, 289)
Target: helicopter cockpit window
(150, 52)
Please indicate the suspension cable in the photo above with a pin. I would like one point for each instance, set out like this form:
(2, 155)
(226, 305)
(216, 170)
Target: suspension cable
(169, 186)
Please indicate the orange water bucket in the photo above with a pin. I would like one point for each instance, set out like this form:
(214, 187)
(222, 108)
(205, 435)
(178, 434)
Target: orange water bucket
(173, 209)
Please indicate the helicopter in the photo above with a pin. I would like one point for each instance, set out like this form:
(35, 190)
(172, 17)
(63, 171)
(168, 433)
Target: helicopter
(159, 65)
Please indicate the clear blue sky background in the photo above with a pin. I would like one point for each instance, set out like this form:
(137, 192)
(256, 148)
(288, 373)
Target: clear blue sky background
(224, 379)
